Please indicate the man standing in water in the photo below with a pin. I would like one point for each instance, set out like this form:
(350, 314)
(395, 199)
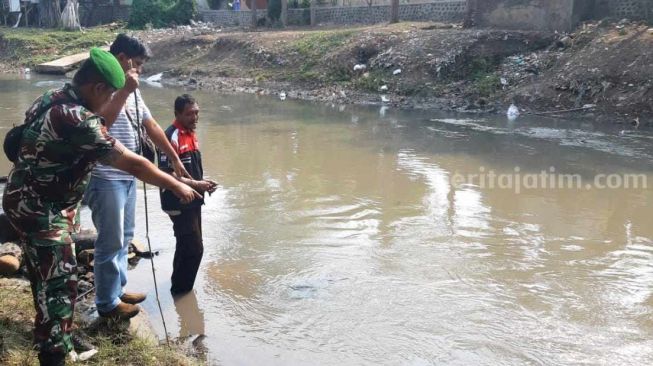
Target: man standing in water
(186, 217)
(111, 194)
(63, 140)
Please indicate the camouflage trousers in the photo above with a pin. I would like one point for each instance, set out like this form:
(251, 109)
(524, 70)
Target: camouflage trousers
(53, 276)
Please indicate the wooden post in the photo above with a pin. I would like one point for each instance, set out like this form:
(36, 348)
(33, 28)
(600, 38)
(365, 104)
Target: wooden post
(284, 13)
(394, 11)
(49, 13)
(313, 6)
(253, 12)
(470, 14)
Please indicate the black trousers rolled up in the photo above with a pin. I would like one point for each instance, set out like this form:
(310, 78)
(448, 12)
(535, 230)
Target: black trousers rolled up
(189, 249)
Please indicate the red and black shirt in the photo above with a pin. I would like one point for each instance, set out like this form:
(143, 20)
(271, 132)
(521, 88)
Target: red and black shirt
(185, 144)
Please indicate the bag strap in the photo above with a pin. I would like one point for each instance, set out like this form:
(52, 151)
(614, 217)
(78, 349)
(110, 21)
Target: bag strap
(45, 108)
(138, 122)
(135, 125)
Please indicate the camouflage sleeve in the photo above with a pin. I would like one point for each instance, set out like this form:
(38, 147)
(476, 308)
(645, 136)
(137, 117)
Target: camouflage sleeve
(92, 139)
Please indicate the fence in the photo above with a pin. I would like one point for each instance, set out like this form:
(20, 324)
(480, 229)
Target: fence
(435, 11)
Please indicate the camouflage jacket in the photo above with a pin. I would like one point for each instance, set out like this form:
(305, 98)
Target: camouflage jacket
(57, 153)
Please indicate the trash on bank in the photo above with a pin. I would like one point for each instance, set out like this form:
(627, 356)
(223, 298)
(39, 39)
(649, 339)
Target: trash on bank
(513, 112)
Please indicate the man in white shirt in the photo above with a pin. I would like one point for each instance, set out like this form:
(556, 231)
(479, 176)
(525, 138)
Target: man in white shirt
(111, 194)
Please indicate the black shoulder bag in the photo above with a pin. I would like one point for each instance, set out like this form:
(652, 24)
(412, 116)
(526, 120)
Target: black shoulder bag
(145, 145)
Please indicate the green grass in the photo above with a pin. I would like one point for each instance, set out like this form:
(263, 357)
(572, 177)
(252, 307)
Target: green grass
(486, 85)
(16, 312)
(31, 46)
(317, 44)
(372, 83)
(313, 48)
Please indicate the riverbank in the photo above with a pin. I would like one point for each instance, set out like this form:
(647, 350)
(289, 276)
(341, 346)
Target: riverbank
(128, 347)
(132, 342)
(601, 71)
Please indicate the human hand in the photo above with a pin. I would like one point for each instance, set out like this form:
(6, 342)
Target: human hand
(131, 80)
(186, 194)
(204, 186)
(179, 169)
(213, 187)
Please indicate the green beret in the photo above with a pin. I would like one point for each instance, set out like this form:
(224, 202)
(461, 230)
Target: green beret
(109, 67)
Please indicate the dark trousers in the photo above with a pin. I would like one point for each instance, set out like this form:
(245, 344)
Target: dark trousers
(189, 249)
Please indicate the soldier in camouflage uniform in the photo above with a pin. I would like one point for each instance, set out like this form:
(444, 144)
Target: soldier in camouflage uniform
(58, 150)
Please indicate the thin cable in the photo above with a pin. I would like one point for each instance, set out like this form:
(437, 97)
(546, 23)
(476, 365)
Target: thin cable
(149, 245)
(147, 227)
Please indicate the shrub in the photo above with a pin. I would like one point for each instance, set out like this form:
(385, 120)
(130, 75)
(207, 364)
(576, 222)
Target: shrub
(161, 13)
(274, 10)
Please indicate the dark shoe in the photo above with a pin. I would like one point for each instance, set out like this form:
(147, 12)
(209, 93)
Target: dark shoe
(52, 359)
(81, 343)
(122, 311)
(133, 298)
(83, 350)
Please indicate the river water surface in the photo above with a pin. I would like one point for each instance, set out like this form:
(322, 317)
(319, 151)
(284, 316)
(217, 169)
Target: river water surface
(338, 237)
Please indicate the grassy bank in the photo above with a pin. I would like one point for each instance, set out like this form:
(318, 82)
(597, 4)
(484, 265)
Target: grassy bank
(16, 315)
(30, 46)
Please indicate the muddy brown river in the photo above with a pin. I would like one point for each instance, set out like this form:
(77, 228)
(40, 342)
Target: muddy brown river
(346, 235)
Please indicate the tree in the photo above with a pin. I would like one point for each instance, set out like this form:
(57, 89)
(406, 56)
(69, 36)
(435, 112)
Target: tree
(394, 11)
(470, 14)
(49, 13)
(70, 16)
(284, 12)
(254, 17)
(312, 10)
(274, 10)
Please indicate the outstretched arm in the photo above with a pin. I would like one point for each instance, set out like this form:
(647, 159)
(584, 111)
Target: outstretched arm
(144, 170)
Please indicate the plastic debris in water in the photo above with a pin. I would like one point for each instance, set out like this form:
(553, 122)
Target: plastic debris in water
(359, 67)
(396, 72)
(383, 110)
(282, 95)
(513, 112)
(156, 78)
(504, 81)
